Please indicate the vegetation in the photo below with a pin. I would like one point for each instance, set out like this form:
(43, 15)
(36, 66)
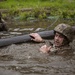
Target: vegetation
(40, 8)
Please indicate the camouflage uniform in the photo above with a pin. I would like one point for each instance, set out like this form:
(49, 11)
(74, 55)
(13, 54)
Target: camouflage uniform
(60, 50)
(65, 30)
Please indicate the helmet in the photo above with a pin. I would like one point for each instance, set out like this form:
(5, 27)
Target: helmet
(65, 30)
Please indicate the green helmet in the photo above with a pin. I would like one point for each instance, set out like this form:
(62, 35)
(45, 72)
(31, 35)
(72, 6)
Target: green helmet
(64, 29)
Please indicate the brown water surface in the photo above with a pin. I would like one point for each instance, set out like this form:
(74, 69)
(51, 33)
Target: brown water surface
(26, 59)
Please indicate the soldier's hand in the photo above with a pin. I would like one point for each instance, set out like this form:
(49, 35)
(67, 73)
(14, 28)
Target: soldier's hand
(36, 37)
(45, 49)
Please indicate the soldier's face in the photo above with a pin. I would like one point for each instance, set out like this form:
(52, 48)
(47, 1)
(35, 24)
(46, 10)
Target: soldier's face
(58, 39)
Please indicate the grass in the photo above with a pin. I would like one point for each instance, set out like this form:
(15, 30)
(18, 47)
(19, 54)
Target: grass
(36, 3)
(63, 8)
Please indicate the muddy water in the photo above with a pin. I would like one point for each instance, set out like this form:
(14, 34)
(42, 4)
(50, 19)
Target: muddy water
(26, 59)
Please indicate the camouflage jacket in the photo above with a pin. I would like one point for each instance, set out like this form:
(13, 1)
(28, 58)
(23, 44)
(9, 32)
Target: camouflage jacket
(59, 50)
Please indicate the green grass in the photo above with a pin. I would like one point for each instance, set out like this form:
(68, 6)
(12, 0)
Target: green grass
(37, 3)
(63, 8)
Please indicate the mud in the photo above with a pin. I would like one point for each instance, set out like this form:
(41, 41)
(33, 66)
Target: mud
(26, 59)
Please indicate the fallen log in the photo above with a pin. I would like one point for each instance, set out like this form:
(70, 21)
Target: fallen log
(26, 38)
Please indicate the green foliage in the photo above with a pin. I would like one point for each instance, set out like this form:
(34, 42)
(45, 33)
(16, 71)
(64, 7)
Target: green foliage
(42, 8)
(24, 16)
(14, 12)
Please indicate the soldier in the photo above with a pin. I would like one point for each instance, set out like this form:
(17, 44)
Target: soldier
(63, 36)
(2, 24)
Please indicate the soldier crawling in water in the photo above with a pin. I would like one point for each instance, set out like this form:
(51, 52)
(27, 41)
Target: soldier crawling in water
(63, 35)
